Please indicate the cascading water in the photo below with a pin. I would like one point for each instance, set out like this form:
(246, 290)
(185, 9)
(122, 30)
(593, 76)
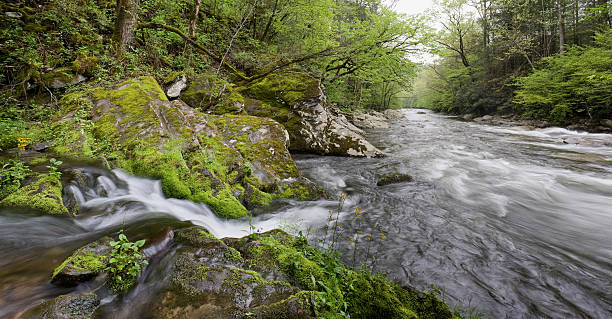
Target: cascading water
(513, 222)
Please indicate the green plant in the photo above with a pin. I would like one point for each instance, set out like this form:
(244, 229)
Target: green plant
(54, 168)
(11, 175)
(125, 263)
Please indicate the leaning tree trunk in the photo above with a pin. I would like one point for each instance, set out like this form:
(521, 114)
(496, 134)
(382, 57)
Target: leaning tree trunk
(127, 18)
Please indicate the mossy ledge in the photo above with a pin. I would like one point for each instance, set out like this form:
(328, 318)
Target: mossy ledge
(229, 162)
(275, 275)
(44, 193)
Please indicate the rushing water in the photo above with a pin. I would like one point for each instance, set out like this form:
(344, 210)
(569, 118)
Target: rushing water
(515, 223)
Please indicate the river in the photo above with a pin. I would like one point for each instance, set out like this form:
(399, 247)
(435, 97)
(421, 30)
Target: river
(508, 222)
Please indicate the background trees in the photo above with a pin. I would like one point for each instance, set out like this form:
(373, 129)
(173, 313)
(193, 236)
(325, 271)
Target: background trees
(541, 58)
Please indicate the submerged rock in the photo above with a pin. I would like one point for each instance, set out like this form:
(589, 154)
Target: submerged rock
(86, 263)
(298, 102)
(44, 193)
(228, 162)
(80, 306)
(393, 178)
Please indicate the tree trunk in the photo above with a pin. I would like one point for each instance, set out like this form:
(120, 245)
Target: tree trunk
(194, 20)
(561, 26)
(127, 19)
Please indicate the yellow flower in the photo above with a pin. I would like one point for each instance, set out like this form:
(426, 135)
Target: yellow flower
(22, 143)
(343, 196)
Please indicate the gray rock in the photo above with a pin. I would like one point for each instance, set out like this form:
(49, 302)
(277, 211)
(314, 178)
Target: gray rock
(468, 117)
(175, 89)
(12, 14)
(393, 178)
(80, 306)
(393, 114)
(607, 123)
(367, 121)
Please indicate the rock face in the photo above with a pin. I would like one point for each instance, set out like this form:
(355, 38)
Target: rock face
(44, 193)
(62, 77)
(297, 101)
(229, 162)
(211, 94)
(393, 178)
(177, 84)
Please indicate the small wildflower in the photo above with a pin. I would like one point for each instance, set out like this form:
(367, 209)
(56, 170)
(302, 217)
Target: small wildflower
(343, 196)
(22, 143)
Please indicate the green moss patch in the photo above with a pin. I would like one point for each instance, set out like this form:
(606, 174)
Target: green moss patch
(44, 194)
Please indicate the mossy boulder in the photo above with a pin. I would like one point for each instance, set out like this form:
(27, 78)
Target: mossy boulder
(211, 94)
(82, 306)
(298, 102)
(43, 193)
(228, 162)
(84, 264)
(275, 275)
(61, 77)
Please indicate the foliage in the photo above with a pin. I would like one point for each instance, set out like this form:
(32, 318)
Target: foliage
(11, 175)
(544, 60)
(54, 164)
(577, 83)
(125, 263)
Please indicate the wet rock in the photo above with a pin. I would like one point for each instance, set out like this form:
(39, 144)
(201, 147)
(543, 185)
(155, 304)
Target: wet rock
(39, 147)
(367, 121)
(209, 279)
(43, 193)
(421, 112)
(393, 114)
(86, 263)
(297, 101)
(80, 306)
(393, 178)
(223, 161)
(606, 123)
(468, 117)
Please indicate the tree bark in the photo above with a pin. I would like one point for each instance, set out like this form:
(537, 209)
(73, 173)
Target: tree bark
(194, 20)
(127, 19)
(561, 26)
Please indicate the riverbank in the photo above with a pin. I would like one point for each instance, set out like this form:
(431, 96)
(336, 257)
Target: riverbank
(591, 126)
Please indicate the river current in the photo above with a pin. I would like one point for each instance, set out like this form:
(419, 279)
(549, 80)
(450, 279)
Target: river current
(508, 222)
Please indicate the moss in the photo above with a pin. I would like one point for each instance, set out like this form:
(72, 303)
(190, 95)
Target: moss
(195, 236)
(172, 76)
(85, 64)
(284, 89)
(45, 194)
(64, 75)
(83, 261)
(212, 93)
(223, 203)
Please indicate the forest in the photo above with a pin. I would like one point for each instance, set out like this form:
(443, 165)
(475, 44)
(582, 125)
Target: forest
(549, 60)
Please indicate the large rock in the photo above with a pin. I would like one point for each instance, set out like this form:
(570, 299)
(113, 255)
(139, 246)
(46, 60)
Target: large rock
(212, 94)
(297, 101)
(61, 78)
(84, 264)
(229, 162)
(81, 306)
(211, 279)
(368, 121)
(43, 193)
(393, 115)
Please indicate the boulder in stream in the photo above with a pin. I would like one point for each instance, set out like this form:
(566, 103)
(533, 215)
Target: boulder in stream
(393, 178)
(298, 102)
(229, 162)
(84, 264)
(82, 306)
